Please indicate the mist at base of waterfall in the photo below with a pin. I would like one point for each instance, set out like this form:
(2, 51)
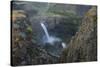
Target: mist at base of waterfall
(52, 40)
(53, 45)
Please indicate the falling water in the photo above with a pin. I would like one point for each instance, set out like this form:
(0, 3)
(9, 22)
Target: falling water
(45, 30)
(49, 39)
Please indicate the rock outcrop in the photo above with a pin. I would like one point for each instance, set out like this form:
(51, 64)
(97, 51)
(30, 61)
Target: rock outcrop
(83, 46)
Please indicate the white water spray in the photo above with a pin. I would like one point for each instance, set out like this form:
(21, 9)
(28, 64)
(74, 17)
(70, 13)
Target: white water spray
(63, 45)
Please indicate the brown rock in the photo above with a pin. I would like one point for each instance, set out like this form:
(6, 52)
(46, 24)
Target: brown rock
(83, 46)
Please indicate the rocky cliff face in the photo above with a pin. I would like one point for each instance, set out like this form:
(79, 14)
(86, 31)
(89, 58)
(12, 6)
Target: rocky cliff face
(25, 49)
(83, 46)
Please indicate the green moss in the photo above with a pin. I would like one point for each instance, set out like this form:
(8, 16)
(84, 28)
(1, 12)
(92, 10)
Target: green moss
(29, 29)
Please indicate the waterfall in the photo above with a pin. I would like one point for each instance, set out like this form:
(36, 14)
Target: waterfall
(48, 39)
(45, 30)
(51, 39)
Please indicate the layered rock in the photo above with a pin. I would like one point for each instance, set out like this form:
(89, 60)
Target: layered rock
(83, 46)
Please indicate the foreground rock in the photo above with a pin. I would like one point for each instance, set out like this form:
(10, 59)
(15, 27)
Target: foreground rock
(83, 46)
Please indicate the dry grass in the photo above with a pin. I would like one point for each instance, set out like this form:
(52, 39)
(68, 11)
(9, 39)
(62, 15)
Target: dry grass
(17, 14)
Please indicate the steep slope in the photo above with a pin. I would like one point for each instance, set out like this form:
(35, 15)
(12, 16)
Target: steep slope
(83, 46)
(24, 48)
